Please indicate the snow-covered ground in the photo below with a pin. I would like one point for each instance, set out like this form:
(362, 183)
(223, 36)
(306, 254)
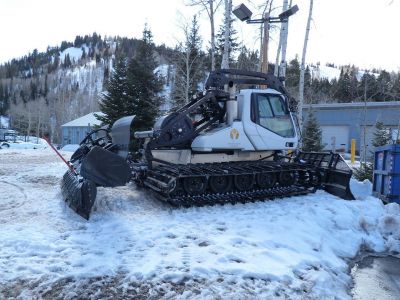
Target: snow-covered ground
(22, 142)
(135, 246)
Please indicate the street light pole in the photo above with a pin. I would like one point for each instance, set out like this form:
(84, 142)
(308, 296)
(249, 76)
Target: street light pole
(244, 14)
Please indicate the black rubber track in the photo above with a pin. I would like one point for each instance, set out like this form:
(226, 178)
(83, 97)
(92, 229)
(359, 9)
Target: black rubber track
(170, 182)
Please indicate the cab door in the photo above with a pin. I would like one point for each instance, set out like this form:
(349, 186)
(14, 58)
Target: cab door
(273, 121)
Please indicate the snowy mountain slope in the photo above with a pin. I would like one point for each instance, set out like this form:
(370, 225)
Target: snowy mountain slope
(4, 122)
(134, 245)
(74, 53)
(166, 72)
(320, 72)
(330, 73)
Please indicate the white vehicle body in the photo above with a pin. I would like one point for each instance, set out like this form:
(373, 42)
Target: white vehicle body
(262, 123)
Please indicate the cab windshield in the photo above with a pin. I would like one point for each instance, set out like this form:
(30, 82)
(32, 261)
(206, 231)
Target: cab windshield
(270, 112)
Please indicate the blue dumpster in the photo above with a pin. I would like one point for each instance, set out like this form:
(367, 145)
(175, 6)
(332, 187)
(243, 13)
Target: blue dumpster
(386, 185)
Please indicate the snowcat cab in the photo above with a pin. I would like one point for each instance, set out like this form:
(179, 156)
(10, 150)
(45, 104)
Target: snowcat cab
(241, 147)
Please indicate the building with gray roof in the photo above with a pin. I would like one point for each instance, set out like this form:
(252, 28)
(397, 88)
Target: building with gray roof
(74, 131)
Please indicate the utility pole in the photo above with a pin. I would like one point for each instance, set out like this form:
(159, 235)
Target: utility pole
(264, 61)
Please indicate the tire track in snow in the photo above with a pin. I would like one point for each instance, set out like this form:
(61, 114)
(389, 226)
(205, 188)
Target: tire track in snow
(12, 203)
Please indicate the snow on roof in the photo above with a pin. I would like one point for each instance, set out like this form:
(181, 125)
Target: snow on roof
(84, 121)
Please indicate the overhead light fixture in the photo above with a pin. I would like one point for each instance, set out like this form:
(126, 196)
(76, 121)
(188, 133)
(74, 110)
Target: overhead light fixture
(289, 12)
(242, 12)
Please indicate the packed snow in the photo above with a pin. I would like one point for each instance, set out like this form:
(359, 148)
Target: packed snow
(136, 246)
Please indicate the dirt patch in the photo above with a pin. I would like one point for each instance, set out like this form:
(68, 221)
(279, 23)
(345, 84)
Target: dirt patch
(49, 180)
(123, 287)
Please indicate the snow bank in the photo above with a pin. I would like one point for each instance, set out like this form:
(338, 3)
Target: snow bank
(289, 248)
(361, 190)
(25, 145)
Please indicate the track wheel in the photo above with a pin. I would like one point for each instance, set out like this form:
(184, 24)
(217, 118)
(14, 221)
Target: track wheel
(195, 185)
(266, 180)
(315, 178)
(244, 182)
(305, 178)
(220, 184)
(286, 178)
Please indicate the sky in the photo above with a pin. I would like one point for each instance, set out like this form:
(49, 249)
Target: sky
(359, 32)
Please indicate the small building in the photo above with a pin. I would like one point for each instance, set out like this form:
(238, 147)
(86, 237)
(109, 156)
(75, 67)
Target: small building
(342, 122)
(74, 131)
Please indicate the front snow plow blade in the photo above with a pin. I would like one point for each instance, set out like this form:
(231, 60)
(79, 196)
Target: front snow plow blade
(99, 161)
(105, 168)
(79, 194)
(334, 172)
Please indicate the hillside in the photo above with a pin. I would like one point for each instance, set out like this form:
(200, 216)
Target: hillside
(43, 90)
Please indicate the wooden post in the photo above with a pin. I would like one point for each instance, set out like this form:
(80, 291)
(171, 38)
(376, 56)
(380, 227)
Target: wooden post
(264, 64)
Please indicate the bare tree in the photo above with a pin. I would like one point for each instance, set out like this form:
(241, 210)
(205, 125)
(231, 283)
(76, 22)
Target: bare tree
(302, 67)
(225, 55)
(188, 64)
(210, 6)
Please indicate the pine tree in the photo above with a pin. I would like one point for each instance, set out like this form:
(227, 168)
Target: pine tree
(395, 88)
(382, 135)
(234, 45)
(369, 85)
(342, 91)
(248, 60)
(385, 84)
(2, 100)
(292, 73)
(114, 101)
(143, 84)
(67, 61)
(365, 171)
(312, 135)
